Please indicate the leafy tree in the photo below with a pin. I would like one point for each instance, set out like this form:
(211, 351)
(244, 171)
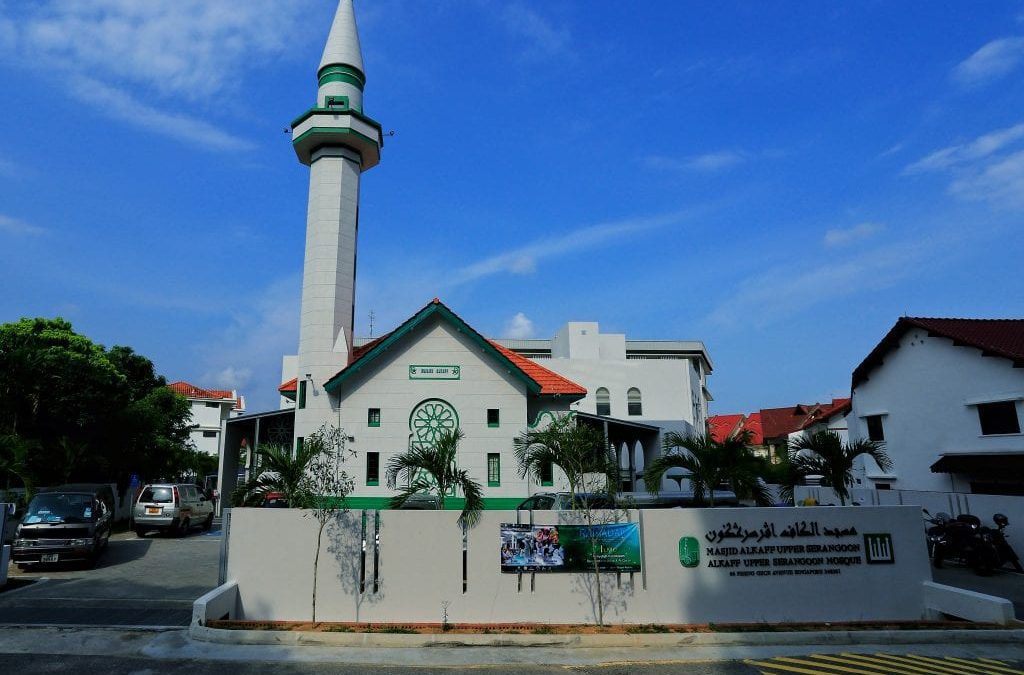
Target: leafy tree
(311, 478)
(824, 454)
(588, 463)
(70, 410)
(580, 451)
(710, 464)
(434, 469)
(280, 471)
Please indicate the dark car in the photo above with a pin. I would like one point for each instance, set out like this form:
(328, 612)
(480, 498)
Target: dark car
(275, 500)
(62, 526)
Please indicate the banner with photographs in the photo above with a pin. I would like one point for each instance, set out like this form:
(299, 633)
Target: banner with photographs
(570, 548)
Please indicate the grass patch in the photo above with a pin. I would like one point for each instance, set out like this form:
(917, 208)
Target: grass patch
(647, 628)
(542, 630)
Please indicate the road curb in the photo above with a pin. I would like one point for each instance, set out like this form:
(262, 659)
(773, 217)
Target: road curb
(650, 640)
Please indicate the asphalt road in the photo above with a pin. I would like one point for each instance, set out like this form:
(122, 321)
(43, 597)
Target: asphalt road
(137, 582)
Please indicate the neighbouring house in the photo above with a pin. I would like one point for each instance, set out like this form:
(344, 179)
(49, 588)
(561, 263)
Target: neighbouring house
(946, 396)
(723, 427)
(211, 409)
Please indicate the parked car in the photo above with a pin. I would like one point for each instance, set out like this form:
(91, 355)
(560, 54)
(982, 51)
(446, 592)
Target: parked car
(275, 500)
(63, 526)
(173, 508)
(562, 501)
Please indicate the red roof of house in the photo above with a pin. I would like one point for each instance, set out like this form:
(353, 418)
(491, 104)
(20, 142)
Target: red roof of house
(753, 425)
(838, 406)
(780, 422)
(289, 387)
(722, 426)
(191, 391)
(994, 337)
(550, 382)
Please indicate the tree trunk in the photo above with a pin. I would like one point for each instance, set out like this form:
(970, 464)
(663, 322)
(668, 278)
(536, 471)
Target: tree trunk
(597, 570)
(316, 563)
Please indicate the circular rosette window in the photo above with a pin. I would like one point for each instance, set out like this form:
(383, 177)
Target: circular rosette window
(430, 419)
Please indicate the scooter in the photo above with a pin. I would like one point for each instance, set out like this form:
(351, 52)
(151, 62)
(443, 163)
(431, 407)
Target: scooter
(983, 549)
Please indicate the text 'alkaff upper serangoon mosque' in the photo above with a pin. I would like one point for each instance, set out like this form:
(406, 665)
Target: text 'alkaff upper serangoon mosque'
(435, 372)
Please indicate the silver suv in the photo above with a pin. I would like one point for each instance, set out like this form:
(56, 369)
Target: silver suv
(173, 508)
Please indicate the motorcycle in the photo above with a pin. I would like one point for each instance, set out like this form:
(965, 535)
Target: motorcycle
(964, 538)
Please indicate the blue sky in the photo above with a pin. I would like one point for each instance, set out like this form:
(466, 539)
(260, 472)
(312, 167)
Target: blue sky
(779, 180)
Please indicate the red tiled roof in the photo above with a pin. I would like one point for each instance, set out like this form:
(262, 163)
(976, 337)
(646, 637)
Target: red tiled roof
(550, 382)
(838, 406)
(753, 425)
(289, 387)
(722, 426)
(780, 422)
(994, 337)
(191, 391)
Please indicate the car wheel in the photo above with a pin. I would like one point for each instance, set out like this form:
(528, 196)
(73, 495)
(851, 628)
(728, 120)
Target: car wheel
(208, 524)
(139, 532)
(184, 527)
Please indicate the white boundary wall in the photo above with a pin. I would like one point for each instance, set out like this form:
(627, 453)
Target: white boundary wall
(270, 557)
(953, 503)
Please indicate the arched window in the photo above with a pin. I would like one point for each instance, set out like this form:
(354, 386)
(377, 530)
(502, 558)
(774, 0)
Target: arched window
(604, 401)
(633, 406)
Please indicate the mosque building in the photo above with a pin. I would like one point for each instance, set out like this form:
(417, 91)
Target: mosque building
(435, 372)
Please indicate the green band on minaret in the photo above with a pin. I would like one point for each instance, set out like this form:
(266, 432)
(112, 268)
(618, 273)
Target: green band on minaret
(342, 73)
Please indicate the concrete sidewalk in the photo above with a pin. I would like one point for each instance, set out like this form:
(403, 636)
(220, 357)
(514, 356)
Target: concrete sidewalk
(175, 644)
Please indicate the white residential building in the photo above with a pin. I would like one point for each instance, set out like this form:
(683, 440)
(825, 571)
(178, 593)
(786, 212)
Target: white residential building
(211, 409)
(657, 382)
(947, 398)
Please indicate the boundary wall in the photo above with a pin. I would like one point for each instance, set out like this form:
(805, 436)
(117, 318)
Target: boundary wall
(953, 503)
(814, 564)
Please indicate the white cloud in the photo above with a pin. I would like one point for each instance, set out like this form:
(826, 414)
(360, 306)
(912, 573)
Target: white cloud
(981, 170)
(123, 106)
(707, 163)
(979, 148)
(247, 354)
(19, 228)
(540, 38)
(993, 61)
(891, 150)
(519, 327)
(838, 237)
(523, 260)
(1000, 183)
(783, 293)
(117, 53)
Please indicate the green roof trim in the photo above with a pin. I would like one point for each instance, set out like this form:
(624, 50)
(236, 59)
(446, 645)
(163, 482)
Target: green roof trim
(334, 384)
(331, 130)
(335, 111)
(344, 74)
(450, 503)
(356, 76)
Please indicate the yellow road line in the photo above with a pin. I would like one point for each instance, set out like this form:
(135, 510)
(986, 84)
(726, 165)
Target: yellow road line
(842, 669)
(890, 667)
(950, 666)
(990, 666)
(882, 669)
(932, 668)
(782, 666)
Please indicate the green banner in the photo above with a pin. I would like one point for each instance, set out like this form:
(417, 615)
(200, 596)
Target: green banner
(570, 548)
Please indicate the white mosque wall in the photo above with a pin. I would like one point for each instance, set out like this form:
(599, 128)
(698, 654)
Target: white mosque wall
(483, 384)
(415, 571)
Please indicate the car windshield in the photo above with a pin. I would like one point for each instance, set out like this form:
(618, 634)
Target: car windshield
(157, 495)
(59, 508)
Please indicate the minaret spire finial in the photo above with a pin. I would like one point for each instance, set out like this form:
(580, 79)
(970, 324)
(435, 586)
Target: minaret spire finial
(342, 47)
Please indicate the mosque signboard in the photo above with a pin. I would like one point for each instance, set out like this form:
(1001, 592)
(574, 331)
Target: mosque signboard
(429, 372)
(570, 548)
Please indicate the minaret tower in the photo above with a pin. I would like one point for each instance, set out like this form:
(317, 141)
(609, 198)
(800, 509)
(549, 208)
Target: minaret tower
(337, 142)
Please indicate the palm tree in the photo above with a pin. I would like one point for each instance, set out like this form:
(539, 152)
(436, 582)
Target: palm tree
(580, 451)
(434, 469)
(710, 464)
(583, 455)
(824, 453)
(279, 471)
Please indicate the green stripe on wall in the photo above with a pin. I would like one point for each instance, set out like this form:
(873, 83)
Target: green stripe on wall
(450, 504)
